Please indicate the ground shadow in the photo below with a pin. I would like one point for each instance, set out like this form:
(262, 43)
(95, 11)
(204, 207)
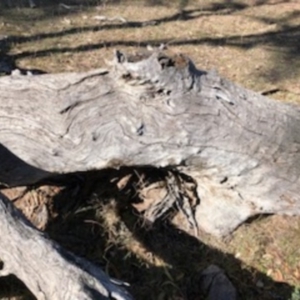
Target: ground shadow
(291, 35)
(186, 15)
(184, 256)
(284, 40)
(12, 288)
(16, 172)
(80, 228)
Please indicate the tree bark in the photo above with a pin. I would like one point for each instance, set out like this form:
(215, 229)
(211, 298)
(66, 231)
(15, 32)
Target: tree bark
(49, 271)
(242, 149)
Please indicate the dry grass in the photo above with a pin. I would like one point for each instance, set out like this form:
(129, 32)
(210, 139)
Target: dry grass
(254, 43)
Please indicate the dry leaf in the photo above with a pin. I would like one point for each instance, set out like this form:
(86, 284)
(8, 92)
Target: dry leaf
(123, 181)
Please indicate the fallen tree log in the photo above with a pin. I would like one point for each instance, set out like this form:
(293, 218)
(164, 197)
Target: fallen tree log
(241, 149)
(49, 271)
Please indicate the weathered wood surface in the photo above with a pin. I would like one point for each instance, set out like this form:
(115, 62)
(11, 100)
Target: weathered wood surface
(49, 271)
(242, 149)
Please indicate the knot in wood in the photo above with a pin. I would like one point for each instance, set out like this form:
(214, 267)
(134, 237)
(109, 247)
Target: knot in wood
(173, 72)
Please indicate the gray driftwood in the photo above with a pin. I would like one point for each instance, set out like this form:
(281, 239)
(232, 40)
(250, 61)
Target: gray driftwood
(242, 149)
(47, 270)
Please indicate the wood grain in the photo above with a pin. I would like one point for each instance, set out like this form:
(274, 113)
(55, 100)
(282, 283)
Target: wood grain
(243, 149)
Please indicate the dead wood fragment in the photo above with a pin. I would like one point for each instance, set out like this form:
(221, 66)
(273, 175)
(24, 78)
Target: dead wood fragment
(49, 271)
(241, 149)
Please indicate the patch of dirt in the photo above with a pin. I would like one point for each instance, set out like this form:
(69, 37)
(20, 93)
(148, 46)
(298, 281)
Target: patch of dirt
(272, 245)
(35, 203)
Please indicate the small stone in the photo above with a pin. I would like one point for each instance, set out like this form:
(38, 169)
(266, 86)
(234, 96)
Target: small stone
(259, 284)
